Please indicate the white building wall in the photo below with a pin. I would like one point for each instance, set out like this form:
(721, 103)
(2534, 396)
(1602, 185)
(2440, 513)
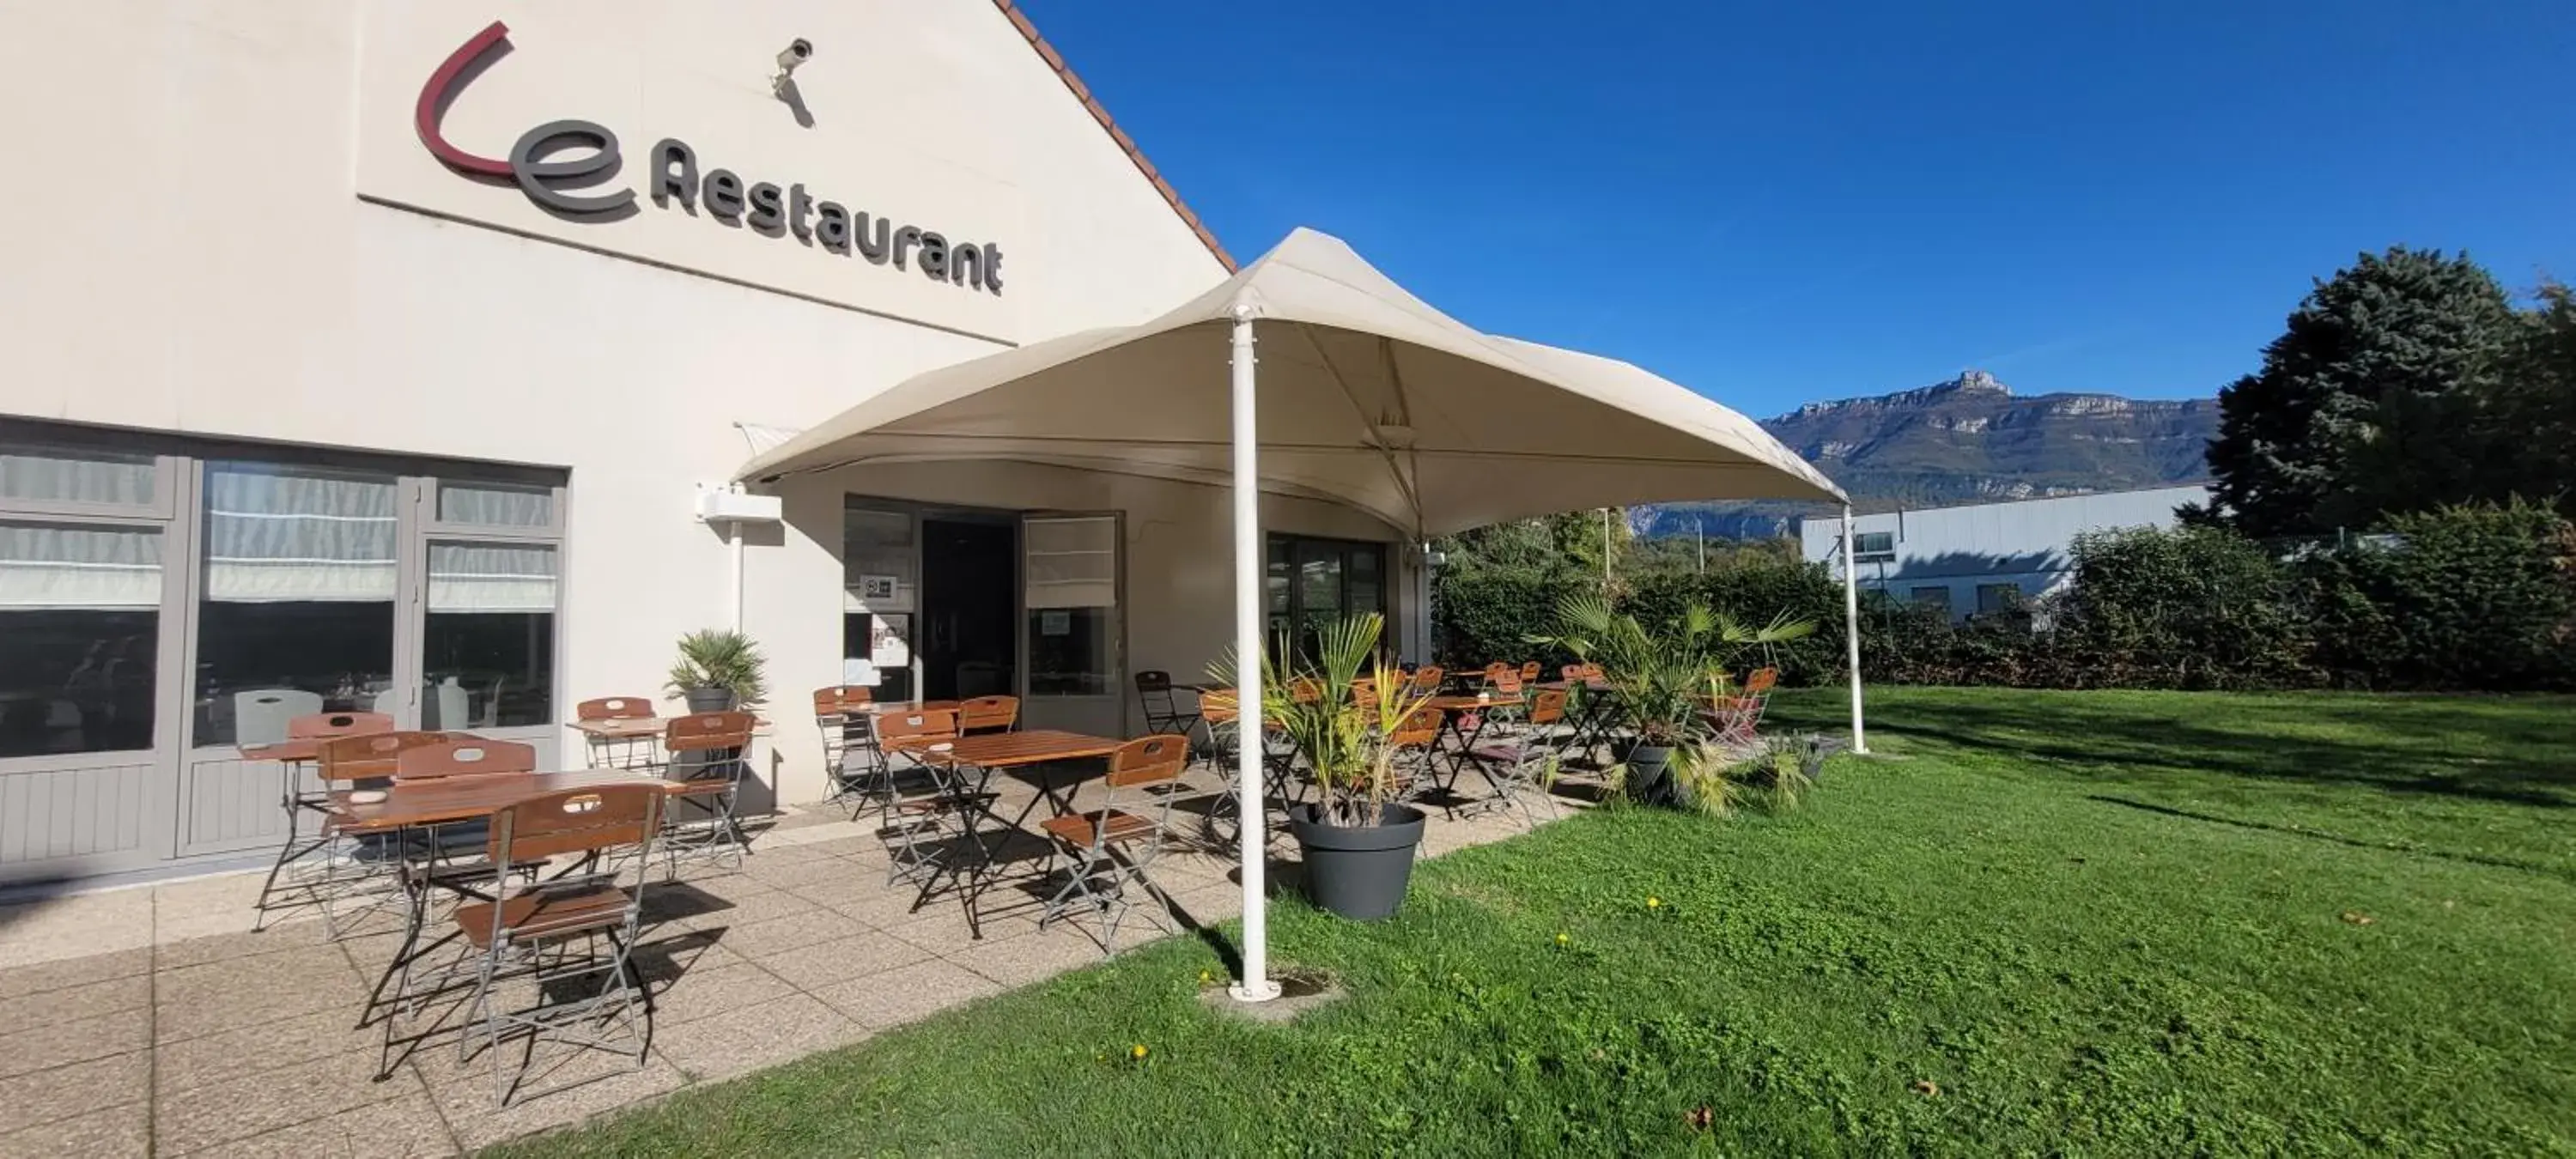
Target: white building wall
(2024, 543)
(205, 239)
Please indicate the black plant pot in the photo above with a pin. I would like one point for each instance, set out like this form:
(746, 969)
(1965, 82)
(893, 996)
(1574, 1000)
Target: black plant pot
(710, 699)
(1650, 774)
(1358, 872)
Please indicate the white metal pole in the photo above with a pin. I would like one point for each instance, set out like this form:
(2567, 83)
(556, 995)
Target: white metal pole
(1851, 630)
(1255, 985)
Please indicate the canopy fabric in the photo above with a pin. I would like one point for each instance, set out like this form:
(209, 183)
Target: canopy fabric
(1368, 398)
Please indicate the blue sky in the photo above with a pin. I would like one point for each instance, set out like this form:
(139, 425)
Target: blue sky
(1791, 202)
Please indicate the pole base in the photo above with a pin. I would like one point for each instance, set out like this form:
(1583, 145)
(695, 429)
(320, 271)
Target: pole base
(1252, 991)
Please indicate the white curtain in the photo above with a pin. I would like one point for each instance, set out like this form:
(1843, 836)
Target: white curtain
(274, 535)
(491, 578)
(495, 506)
(75, 476)
(78, 568)
(1072, 563)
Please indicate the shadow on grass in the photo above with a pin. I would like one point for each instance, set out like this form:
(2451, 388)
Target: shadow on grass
(2333, 838)
(2493, 750)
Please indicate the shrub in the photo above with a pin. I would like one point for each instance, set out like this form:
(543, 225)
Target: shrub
(2189, 607)
(2469, 597)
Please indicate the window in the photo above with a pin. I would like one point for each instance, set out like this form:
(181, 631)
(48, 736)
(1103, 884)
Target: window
(1930, 596)
(487, 644)
(1873, 546)
(1998, 598)
(37, 476)
(80, 620)
(496, 505)
(297, 609)
(1072, 599)
(1314, 582)
(879, 584)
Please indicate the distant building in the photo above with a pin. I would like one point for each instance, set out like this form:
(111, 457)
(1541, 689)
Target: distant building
(1987, 557)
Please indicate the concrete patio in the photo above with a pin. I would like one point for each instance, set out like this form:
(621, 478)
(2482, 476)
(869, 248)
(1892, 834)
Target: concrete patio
(149, 1020)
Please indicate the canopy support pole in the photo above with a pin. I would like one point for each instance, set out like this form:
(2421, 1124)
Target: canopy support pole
(1851, 631)
(1249, 746)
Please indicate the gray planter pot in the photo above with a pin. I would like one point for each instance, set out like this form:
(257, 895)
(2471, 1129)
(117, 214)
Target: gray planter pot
(1358, 872)
(709, 699)
(1650, 775)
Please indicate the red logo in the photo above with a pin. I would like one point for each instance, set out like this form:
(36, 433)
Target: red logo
(543, 180)
(441, 89)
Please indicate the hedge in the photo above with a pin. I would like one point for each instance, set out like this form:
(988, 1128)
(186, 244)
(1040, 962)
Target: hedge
(2465, 598)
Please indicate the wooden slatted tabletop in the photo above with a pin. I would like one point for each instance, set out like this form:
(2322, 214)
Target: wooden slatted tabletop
(1472, 703)
(466, 798)
(1003, 750)
(897, 706)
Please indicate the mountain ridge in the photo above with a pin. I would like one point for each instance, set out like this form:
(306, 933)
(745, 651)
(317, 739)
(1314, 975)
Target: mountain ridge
(1968, 439)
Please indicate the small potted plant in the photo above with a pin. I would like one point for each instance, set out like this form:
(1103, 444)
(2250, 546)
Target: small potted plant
(1660, 679)
(1357, 840)
(718, 671)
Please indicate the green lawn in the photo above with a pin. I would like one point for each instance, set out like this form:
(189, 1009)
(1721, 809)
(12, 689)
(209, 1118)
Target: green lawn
(2098, 923)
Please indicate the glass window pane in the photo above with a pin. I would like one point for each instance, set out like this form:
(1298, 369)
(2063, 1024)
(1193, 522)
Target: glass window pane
(1072, 597)
(487, 646)
(80, 615)
(59, 475)
(1367, 581)
(1070, 651)
(878, 561)
(298, 609)
(1072, 563)
(496, 504)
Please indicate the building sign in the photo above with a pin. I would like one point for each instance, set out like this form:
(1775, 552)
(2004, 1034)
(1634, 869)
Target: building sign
(569, 169)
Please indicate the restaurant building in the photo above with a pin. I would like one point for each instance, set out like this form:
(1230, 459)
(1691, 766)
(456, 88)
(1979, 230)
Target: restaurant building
(394, 356)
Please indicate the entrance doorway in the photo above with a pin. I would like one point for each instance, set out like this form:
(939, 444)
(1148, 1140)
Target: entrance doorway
(969, 608)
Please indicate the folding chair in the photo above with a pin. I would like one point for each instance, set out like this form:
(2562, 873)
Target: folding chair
(1738, 716)
(451, 856)
(615, 752)
(1132, 816)
(1163, 712)
(1415, 740)
(1523, 764)
(1497, 672)
(367, 863)
(549, 933)
(988, 714)
(1225, 810)
(852, 763)
(297, 798)
(705, 763)
(915, 809)
(1426, 679)
(1530, 671)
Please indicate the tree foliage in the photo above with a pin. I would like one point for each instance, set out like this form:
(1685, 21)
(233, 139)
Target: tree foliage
(2376, 398)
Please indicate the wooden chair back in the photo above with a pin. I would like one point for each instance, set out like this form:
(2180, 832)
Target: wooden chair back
(1148, 760)
(704, 731)
(1530, 671)
(1364, 691)
(330, 724)
(1571, 673)
(1305, 690)
(895, 729)
(1592, 672)
(1428, 677)
(988, 712)
(1497, 670)
(614, 708)
(843, 700)
(576, 821)
(1761, 681)
(1419, 728)
(1218, 708)
(369, 756)
(1507, 682)
(461, 755)
(1550, 707)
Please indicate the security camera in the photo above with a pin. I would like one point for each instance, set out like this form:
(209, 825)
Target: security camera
(797, 52)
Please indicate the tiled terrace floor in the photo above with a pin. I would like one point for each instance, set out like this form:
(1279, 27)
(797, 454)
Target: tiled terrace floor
(150, 1021)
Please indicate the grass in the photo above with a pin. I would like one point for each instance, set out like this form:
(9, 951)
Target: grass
(2094, 923)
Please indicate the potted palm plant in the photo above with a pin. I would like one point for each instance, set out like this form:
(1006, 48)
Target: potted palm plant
(1660, 678)
(1357, 840)
(718, 670)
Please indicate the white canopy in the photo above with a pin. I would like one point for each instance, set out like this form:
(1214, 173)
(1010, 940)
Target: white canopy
(1365, 397)
(1369, 398)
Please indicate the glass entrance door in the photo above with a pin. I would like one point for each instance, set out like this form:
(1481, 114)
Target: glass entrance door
(1314, 582)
